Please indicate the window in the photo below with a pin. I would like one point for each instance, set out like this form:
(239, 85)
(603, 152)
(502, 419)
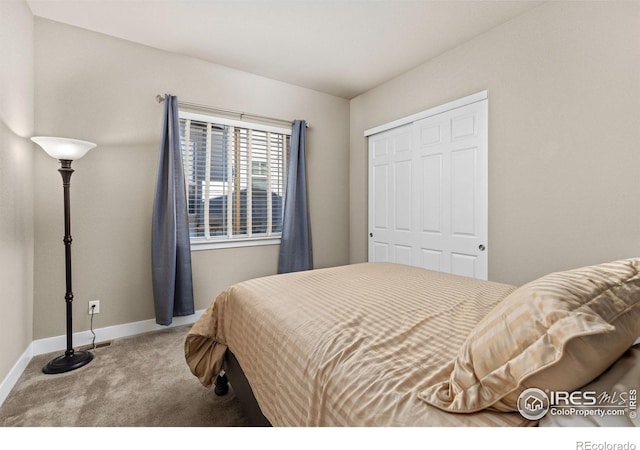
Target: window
(235, 175)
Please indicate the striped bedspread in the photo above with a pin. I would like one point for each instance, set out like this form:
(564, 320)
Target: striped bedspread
(345, 346)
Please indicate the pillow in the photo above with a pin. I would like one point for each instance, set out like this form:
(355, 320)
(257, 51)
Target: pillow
(558, 332)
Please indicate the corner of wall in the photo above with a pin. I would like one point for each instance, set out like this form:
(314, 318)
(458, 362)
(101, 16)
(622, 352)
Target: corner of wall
(16, 183)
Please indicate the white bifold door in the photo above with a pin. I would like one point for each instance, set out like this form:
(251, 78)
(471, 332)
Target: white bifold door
(428, 192)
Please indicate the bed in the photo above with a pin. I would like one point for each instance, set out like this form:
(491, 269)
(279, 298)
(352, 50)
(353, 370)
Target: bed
(382, 344)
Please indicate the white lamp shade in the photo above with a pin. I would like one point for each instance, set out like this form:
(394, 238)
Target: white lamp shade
(63, 148)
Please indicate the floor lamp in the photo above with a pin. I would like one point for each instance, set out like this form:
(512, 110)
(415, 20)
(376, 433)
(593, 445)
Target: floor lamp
(66, 150)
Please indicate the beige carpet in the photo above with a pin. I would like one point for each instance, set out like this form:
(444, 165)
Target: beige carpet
(141, 381)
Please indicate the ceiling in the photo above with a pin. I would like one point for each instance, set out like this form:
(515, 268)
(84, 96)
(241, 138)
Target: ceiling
(343, 48)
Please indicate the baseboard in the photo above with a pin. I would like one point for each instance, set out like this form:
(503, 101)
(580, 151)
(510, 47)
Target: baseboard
(59, 343)
(14, 374)
(54, 344)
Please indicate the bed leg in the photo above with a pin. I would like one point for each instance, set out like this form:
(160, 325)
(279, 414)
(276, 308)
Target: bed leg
(222, 385)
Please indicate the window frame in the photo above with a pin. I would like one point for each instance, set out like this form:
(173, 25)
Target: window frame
(203, 243)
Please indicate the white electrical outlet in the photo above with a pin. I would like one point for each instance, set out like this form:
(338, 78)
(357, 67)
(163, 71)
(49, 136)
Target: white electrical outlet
(94, 307)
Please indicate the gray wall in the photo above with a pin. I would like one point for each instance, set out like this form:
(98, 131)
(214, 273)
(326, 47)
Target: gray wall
(16, 182)
(564, 134)
(94, 87)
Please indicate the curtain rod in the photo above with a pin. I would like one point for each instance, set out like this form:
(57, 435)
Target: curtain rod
(160, 99)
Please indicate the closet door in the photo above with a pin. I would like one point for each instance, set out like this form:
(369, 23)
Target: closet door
(391, 196)
(451, 154)
(428, 192)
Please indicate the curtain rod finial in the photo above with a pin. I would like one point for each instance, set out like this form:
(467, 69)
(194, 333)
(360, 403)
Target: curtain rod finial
(160, 98)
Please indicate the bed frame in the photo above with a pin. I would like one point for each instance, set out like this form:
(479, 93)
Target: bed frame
(242, 390)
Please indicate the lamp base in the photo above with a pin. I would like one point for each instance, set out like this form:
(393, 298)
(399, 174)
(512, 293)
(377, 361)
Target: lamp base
(67, 363)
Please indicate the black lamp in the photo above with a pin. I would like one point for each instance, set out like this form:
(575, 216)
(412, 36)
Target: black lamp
(66, 150)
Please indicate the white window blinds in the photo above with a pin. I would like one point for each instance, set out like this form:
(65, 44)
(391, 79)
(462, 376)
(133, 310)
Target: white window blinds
(235, 175)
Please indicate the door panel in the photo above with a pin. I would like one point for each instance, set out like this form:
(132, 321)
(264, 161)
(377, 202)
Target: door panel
(463, 191)
(380, 251)
(381, 197)
(463, 126)
(465, 265)
(431, 135)
(428, 192)
(432, 194)
(403, 254)
(432, 259)
(390, 196)
(403, 196)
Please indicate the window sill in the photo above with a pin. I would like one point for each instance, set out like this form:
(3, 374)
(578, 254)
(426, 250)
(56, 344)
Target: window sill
(200, 244)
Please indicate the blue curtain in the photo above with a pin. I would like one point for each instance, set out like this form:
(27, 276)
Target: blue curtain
(170, 246)
(295, 245)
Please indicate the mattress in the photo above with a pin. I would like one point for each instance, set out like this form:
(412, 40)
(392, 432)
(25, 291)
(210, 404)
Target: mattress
(346, 346)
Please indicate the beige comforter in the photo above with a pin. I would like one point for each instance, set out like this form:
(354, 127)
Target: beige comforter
(345, 346)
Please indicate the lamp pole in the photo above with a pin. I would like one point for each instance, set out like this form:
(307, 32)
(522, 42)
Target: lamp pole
(71, 359)
(66, 171)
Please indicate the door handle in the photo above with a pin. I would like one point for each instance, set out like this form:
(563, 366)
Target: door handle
(481, 247)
